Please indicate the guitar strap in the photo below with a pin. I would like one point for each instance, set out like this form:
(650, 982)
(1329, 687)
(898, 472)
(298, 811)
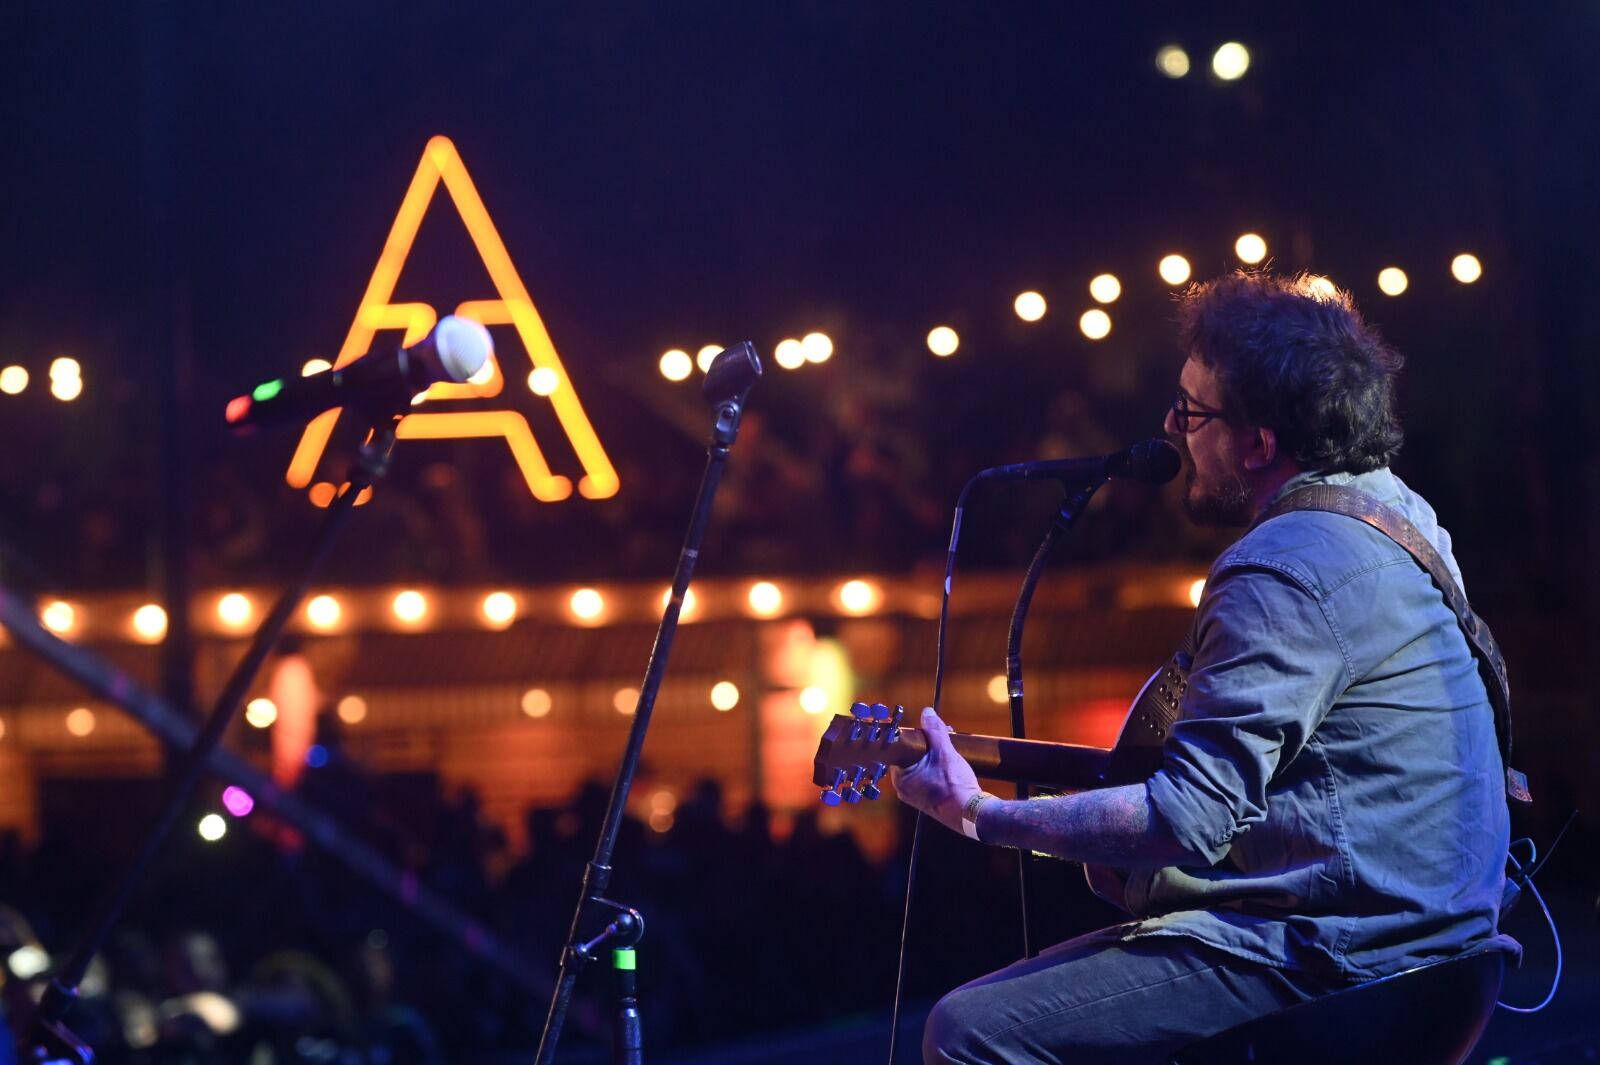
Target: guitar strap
(1354, 503)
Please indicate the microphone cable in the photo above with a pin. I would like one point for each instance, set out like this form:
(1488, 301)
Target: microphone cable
(938, 690)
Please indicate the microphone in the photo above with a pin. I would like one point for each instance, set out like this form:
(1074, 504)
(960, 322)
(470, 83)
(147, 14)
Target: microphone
(1153, 461)
(456, 349)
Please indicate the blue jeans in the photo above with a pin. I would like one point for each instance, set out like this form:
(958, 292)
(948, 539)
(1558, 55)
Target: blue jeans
(1098, 999)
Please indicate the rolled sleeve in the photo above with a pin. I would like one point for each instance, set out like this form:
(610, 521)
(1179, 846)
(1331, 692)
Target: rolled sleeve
(1268, 665)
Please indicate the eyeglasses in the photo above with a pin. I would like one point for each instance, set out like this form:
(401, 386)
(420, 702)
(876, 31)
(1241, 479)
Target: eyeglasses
(1187, 416)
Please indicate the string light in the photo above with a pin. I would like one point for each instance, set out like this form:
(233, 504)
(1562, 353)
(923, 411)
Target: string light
(261, 713)
(765, 599)
(1030, 306)
(706, 355)
(817, 346)
(1392, 281)
(814, 700)
(80, 722)
(943, 341)
(1095, 324)
(587, 605)
(676, 365)
(315, 366)
(536, 702)
(60, 617)
(724, 695)
(323, 612)
(150, 623)
(626, 701)
(789, 354)
(1174, 269)
(1231, 61)
(13, 379)
(499, 609)
(212, 827)
(410, 607)
(691, 603)
(352, 709)
(1105, 288)
(235, 610)
(1197, 588)
(1322, 288)
(859, 597)
(66, 389)
(997, 688)
(1466, 268)
(1172, 61)
(1250, 248)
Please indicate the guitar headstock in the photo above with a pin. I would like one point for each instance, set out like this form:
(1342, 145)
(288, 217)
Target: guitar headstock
(856, 752)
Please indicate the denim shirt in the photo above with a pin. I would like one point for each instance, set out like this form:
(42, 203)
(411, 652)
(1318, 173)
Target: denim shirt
(1334, 769)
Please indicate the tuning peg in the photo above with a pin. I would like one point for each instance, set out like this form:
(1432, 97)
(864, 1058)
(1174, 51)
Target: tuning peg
(880, 712)
(830, 794)
(871, 790)
(894, 723)
(860, 710)
(852, 792)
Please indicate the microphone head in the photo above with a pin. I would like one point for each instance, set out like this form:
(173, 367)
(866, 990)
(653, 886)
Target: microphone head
(463, 346)
(1153, 461)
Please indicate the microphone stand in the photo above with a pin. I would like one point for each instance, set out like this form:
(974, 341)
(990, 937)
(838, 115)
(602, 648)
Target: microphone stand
(1071, 508)
(727, 384)
(49, 1041)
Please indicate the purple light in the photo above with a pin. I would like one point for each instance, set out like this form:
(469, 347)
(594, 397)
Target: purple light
(237, 800)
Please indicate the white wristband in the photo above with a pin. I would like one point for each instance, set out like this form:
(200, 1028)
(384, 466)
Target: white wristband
(969, 814)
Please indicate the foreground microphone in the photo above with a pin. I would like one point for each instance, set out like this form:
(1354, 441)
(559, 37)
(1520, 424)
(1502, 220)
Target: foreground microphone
(1149, 461)
(383, 381)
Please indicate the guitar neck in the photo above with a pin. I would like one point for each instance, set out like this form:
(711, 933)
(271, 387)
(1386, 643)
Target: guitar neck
(1052, 765)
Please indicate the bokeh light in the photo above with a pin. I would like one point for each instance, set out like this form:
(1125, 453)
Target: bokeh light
(59, 616)
(409, 607)
(676, 365)
(625, 701)
(587, 604)
(706, 355)
(997, 689)
(543, 381)
(1105, 288)
(80, 722)
(691, 603)
(323, 612)
(1322, 288)
(499, 609)
(1230, 61)
(1392, 281)
(1095, 324)
(814, 700)
(1466, 268)
(1030, 306)
(536, 702)
(13, 379)
(790, 354)
(352, 709)
(66, 389)
(724, 695)
(261, 713)
(817, 346)
(1250, 248)
(859, 597)
(1172, 61)
(765, 599)
(65, 368)
(943, 341)
(1197, 588)
(315, 366)
(235, 610)
(212, 827)
(149, 623)
(237, 801)
(1174, 269)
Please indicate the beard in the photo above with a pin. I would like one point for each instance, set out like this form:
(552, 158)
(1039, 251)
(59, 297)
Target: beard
(1226, 505)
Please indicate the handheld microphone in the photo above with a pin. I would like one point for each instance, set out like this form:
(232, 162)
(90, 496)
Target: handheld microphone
(386, 381)
(1153, 461)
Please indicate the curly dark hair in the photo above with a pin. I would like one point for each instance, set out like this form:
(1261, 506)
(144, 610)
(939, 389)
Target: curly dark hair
(1293, 354)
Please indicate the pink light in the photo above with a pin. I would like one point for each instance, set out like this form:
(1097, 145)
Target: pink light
(237, 800)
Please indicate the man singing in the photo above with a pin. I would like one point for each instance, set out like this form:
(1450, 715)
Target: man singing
(1331, 804)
